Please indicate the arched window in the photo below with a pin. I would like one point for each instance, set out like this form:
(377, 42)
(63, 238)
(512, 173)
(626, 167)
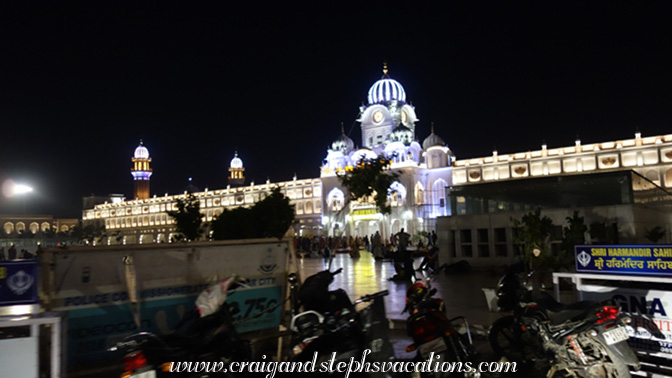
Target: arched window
(45, 226)
(20, 227)
(397, 194)
(34, 227)
(419, 193)
(64, 228)
(335, 199)
(439, 197)
(9, 228)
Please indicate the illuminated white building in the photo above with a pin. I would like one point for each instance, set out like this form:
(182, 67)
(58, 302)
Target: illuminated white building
(419, 194)
(147, 221)
(428, 173)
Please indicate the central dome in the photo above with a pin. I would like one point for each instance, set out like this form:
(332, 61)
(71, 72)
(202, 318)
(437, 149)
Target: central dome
(385, 90)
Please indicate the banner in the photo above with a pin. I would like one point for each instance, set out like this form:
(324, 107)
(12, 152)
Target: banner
(639, 260)
(651, 312)
(93, 286)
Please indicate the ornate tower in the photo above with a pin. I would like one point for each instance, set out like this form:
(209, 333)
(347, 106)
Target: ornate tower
(236, 171)
(141, 172)
(385, 113)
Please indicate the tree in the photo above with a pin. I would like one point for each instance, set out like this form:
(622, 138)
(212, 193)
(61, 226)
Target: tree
(533, 233)
(87, 234)
(572, 235)
(655, 234)
(371, 177)
(188, 217)
(604, 232)
(273, 215)
(270, 217)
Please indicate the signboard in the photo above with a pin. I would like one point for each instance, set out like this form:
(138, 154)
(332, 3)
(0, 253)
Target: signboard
(18, 282)
(651, 312)
(365, 214)
(92, 286)
(640, 260)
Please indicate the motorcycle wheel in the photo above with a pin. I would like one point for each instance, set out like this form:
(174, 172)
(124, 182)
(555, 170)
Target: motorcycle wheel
(621, 369)
(618, 368)
(507, 339)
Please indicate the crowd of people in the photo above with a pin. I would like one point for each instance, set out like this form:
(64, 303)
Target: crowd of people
(396, 249)
(13, 254)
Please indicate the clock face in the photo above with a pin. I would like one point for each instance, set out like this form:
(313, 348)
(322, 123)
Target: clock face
(404, 116)
(377, 116)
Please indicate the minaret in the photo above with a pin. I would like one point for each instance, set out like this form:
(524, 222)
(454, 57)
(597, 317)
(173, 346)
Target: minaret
(236, 172)
(141, 172)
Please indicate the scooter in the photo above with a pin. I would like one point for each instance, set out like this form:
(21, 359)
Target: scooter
(435, 336)
(211, 336)
(331, 328)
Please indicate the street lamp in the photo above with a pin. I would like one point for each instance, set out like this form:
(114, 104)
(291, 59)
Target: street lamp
(20, 189)
(11, 189)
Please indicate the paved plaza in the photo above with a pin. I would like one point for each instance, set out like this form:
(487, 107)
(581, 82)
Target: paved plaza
(462, 292)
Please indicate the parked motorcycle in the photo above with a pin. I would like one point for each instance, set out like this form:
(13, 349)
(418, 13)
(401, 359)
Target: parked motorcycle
(435, 335)
(210, 336)
(331, 324)
(585, 339)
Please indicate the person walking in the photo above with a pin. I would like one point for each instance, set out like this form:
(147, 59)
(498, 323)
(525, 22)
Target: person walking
(403, 258)
(377, 243)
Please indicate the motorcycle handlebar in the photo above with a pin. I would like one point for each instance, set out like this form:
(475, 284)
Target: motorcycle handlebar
(370, 297)
(337, 271)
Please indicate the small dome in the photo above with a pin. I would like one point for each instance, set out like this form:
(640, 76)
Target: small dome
(432, 140)
(395, 147)
(343, 143)
(402, 134)
(236, 162)
(141, 152)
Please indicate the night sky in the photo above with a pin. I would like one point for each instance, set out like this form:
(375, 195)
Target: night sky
(82, 83)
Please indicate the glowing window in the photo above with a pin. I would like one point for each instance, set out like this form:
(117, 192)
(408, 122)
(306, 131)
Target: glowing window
(335, 199)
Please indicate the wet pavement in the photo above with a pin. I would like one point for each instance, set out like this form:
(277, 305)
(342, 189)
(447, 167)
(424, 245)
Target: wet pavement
(461, 292)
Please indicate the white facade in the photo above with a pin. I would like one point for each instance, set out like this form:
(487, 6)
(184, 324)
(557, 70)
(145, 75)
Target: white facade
(651, 157)
(147, 221)
(418, 197)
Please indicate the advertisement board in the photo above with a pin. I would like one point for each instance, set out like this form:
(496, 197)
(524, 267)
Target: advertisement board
(651, 327)
(111, 292)
(640, 260)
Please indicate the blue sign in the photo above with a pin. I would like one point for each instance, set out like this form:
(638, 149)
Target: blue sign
(639, 260)
(18, 282)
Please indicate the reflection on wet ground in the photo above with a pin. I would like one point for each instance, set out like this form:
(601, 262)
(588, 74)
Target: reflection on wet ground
(462, 293)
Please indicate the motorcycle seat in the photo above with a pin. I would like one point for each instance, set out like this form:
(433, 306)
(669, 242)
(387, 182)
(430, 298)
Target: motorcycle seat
(558, 313)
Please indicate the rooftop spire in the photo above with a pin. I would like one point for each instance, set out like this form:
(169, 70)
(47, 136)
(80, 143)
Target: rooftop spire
(384, 69)
(342, 128)
(432, 127)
